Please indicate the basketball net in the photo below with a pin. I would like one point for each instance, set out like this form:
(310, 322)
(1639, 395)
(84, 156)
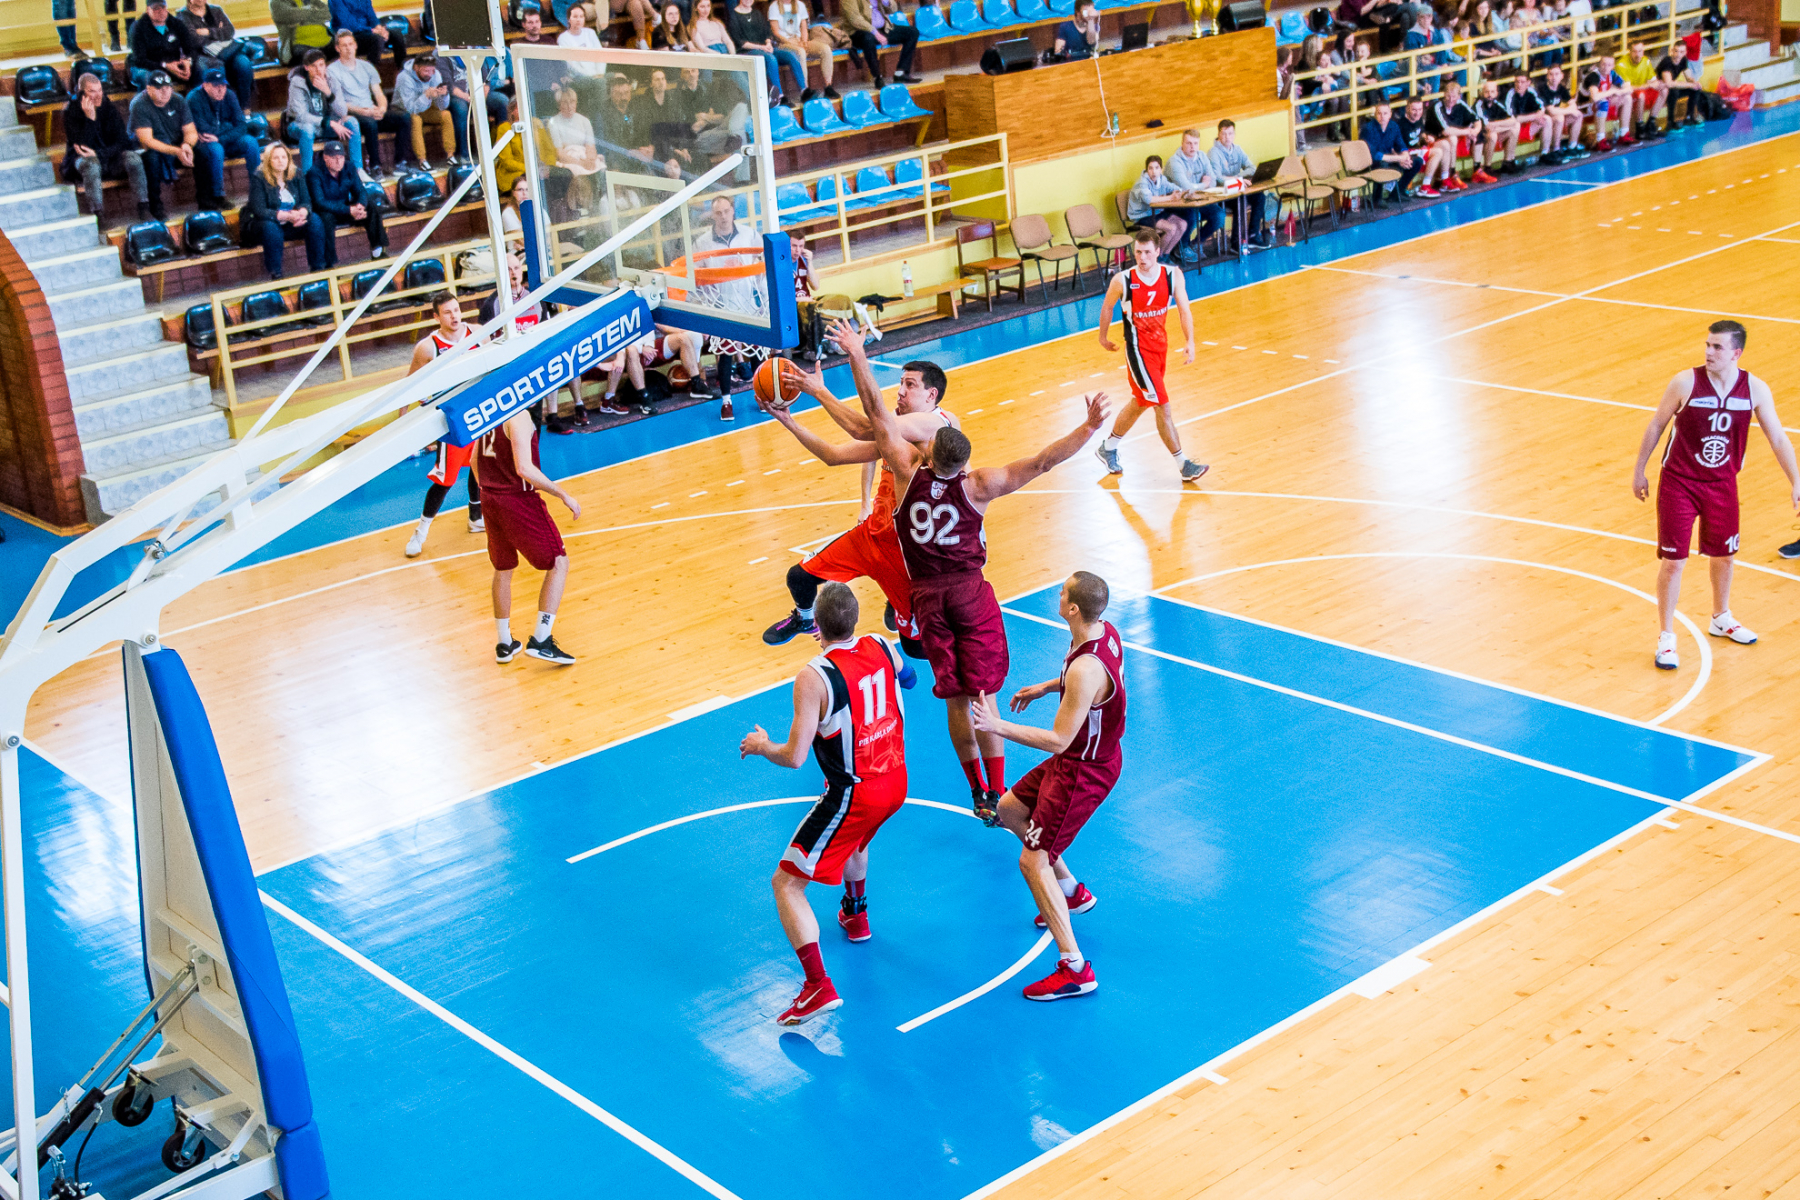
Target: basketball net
(731, 281)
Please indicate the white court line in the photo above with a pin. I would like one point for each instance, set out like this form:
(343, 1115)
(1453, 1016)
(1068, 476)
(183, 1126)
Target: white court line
(512, 1058)
(1500, 287)
(1564, 182)
(1380, 718)
(1509, 387)
(699, 816)
(1024, 961)
(1693, 630)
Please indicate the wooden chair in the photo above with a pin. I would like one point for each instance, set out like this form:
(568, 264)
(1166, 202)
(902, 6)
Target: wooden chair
(1086, 230)
(1031, 234)
(993, 270)
(1293, 184)
(1323, 169)
(1360, 170)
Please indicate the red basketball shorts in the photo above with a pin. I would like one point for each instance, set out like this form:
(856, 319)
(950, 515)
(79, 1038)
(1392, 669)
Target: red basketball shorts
(841, 822)
(518, 523)
(450, 463)
(964, 637)
(861, 553)
(1680, 501)
(1145, 368)
(1061, 795)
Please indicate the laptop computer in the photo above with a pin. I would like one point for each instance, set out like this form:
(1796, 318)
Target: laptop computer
(1266, 170)
(1135, 37)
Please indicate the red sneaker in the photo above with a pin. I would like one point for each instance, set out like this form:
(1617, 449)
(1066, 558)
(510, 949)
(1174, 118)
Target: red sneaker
(725, 409)
(1481, 176)
(1062, 983)
(1452, 183)
(855, 924)
(1080, 902)
(816, 999)
(1629, 139)
(1427, 191)
(1603, 145)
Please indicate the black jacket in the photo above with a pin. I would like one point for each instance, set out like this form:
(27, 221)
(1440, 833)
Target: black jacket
(150, 49)
(105, 135)
(334, 196)
(265, 201)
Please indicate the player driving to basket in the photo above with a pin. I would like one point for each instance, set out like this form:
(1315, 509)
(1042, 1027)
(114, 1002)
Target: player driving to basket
(847, 707)
(940, 515)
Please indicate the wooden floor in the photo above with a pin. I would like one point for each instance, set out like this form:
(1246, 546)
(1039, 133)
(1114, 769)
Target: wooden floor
(1424, 450)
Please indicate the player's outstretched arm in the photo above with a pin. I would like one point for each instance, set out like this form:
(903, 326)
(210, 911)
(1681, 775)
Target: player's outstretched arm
(849, 339)
(1674, 396)
(854, 423)
(1115, 291)
(1085, 679)
(1764, 400)
(826, 452)
(990, 483)
(519, 430)
(809, 704)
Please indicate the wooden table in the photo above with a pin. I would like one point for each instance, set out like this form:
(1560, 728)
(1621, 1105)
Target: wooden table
(949, 302)
(1202, 199)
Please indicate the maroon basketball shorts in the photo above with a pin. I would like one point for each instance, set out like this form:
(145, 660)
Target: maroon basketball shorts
(961, 629)
(1061, 795)
(841, 822)
(518, 523)
(1680, 501)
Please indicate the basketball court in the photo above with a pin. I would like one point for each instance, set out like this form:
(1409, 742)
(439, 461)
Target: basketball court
(1420, 878)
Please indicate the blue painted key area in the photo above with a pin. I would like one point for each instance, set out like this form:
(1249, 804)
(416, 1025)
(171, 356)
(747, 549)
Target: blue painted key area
(1261, 851)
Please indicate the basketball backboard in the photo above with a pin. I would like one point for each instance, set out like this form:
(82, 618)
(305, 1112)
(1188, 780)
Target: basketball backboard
(609, 135)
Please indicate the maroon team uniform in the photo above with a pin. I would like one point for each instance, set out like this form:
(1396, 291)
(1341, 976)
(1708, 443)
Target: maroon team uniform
(1700, 470)
(861, 747)
(518, 521)
(954, 608)
(1063, 791)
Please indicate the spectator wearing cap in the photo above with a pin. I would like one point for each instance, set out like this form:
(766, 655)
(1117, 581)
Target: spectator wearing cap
(359, 83)
(161, 43)
(280, 210)
(219, 119)
(357, 17)
(300, 25)
(216, 37)
(423, 94)
(337, 196)
(315, 111)
(164, 128)
(100, 147)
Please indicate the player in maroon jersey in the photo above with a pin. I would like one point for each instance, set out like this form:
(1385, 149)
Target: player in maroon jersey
(940, 517)
(1710, 407)
(518, 523)
(1048, 807)
(847, 707)
(1148, 291)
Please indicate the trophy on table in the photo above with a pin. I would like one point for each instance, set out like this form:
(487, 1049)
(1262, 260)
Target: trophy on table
(1205, 13)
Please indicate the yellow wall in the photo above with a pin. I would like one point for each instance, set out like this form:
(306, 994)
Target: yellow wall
(1790, 11)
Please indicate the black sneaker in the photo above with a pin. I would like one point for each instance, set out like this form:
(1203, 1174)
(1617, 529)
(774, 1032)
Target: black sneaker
(890, 620)
(986, 804)
(831, 93)
(699, 389)
(505, 652)
(557, 425)
(787, 629)
(580, 419)
(1791, 550)
(549, 651)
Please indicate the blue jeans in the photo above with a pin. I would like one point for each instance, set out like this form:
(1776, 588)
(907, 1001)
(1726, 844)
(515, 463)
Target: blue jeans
(159, 169)
(209, 162)
(772, 64)
(459, 114)
(240, 72)
(63, 13)
(304, 139)
(273, 237)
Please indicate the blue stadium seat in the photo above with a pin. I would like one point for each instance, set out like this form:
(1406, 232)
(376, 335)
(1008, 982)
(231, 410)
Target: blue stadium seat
(826, 190)
(782, 126)
(899, 17)
(1291, 29)
(931, 24)
(872, 179)
(820, 118)
(966, 18)
(911, 170)
(796, 207)
(897, 103)
(999, 13)
(860, 110)
(1060, 8)
(1033, 10)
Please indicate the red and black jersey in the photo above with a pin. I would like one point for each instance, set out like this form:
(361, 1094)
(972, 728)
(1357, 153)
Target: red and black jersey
(863, 733)
(1147, 309)
(940, 528)
(1098, 740)
(1711, 432)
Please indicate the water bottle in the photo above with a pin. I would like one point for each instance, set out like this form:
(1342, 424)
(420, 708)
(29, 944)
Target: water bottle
(906, 284)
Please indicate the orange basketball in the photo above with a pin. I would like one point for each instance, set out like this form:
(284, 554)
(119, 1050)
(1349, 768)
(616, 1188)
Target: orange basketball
(767, 394)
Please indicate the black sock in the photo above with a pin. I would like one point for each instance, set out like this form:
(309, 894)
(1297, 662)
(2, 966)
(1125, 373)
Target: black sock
(803, 586)
(474, 498)
(434, 499)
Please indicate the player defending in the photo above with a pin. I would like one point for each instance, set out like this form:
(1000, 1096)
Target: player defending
(1147, 291)
(518, 523)
(451, 332)
(872, 548)
(1711, 407)
(940, 516)
(847, 706)
(1048, 807)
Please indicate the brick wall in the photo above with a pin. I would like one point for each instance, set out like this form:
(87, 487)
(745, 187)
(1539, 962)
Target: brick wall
(40, 453)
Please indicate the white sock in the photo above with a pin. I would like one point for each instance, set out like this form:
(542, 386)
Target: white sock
(1180, 456)
(1075, 962)
(1068, 887)
(1665, 641)
(544, 622)
(425, 524)
(1112, 441)
(805, 614)
(503, 627)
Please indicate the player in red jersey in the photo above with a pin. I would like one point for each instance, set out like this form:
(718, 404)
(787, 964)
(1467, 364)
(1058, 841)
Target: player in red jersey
(940, 517)
(872, 548)
(1048, 807)
(451, 331)
(847, 707)
(1710, 407)
(1147, 291)
(518, 523)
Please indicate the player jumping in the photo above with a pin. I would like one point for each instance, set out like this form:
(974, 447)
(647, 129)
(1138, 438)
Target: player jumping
(1048, 807)
(1147, 291)
(451, 332)
(847, 706)
(1711, 408)
(941, 515)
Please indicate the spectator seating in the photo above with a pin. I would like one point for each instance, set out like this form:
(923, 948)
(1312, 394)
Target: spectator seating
(315, 296)
(860, 111)
(966, 18)
(1035, 243)
(149, 242)
(197, 328)
(1291, 29)
(417, 191)
(457, 175)
(931, 25)
(782, 126)
(993, 269)
(897, 104)
(1088, 233)
(260, 307)
(796, 207)
(39, 85)
(205, 233)
(999, 13)
(256, 124)
(820, 118)
(1032, 10)
(910, 170)
(363, 282)
(869, 182)
(422, 273)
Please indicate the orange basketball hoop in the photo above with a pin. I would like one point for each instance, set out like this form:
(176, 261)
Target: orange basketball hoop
(704, 276)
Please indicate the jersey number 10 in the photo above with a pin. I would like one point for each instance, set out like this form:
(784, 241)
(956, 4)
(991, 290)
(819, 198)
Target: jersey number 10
(874, 696)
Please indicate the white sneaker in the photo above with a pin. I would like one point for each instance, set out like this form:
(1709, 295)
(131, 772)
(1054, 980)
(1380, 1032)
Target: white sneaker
(1666, 658)
(477, 525)
(1725, 625)
(415, 545)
